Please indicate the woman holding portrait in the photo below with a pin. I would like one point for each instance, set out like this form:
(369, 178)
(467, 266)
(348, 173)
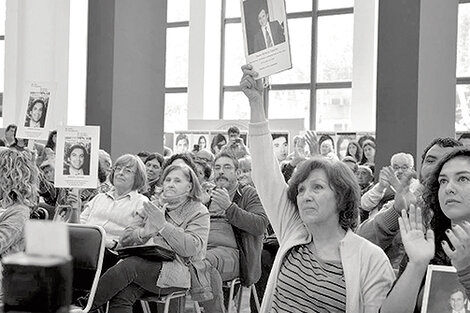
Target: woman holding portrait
(321, 264)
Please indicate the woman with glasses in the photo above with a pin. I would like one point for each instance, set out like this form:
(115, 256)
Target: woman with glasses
(115, 209)
(177, 221)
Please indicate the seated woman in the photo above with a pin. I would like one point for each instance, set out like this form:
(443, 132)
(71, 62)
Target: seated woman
(182, 224)
(115, 209)
(153, 164)
(18, 194)
(321, 264)
(447, 201)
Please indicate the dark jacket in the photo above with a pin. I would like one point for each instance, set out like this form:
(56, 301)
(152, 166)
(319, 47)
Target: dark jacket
(249, 222)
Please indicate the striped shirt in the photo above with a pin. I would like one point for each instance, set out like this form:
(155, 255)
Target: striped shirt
(308, 284)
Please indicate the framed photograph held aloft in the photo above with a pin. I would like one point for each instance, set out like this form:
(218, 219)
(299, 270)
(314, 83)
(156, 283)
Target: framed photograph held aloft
(443, 292)
(266, 37)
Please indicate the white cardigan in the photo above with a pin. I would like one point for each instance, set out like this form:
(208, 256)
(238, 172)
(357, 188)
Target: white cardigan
(367, 270)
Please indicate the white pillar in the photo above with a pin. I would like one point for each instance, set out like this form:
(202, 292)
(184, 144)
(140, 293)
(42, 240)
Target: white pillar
(364, 79)
(37, 43)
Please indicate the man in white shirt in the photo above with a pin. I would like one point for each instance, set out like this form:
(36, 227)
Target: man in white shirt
(270, 33)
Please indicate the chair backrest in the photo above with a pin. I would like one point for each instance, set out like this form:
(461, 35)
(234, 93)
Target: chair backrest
(87, 243)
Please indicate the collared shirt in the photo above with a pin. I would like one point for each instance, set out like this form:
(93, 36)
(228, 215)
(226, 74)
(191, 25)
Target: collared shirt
(266, 33)
(34, 124)
(113, 214)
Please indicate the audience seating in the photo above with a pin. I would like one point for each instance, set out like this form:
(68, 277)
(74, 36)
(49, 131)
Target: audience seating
(87, 243)
(163, 300)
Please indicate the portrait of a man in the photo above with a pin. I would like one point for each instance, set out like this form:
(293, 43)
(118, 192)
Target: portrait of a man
(280, 146)
(77, 161)
(36, 114)
(458, 301)
(270, 33)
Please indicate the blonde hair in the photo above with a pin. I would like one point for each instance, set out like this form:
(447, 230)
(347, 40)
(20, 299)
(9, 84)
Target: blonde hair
(18, 179)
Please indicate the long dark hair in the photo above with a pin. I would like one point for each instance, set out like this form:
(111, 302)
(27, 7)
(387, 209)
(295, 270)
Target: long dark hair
(50, 142)
(439, 222)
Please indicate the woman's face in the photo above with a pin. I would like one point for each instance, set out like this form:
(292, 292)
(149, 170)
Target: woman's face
(454, 189)
(202, 143)
(316, 200)
(124, 176)
(153, 169)
(36, 111)
(369, 153)
(176, 183)
(326, 147)
(10, 133)
(219, 146)
(352, 149)
(54, 138)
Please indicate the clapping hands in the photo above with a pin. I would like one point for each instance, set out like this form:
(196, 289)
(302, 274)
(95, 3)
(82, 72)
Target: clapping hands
(459, 237)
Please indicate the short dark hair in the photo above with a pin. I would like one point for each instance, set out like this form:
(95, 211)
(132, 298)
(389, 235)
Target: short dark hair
(444, 142)
(225, 154)
(143, 154)
(155, 156)
(182, 137)
(278, 135)
(341, 180)
(10, 127)
(326, 137)
(233, 130)
(186, 157)
(206, 167)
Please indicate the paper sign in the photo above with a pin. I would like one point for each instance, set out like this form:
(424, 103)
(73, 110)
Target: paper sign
(47, 238)
(266, 39)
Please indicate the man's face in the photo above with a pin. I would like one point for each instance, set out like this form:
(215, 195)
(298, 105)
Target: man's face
(262, 18)
(363, 177)
(280, 148)
(182, 146)
(225, 173)
(232, 137)
(36, 111)
(400, 165)
(433, 156)
(457, 301)
(77, 158)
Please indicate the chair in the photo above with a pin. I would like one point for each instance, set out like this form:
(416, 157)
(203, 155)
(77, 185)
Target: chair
(162, 300)
(87, 243)
(232, 284)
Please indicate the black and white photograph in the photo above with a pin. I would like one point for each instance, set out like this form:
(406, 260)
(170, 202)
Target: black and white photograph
(280, 144)
(36, 111)
(76, 164)
(443, 292)
(265, 34)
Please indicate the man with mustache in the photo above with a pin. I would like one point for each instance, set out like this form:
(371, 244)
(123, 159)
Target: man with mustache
(238, 223)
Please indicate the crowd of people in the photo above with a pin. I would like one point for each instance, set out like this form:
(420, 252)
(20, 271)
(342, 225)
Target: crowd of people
(312, 231)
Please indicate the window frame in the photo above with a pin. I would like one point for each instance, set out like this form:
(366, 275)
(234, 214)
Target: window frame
(313, 86)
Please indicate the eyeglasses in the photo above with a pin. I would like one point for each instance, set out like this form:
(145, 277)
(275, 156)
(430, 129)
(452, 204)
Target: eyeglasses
(404, 167)
(125, 170)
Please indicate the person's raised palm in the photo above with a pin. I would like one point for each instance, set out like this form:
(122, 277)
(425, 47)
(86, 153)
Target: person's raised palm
(418, 246)
(403, 196)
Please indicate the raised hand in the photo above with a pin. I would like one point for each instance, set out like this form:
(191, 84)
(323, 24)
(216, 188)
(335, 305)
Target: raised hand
(418, 246)
(155, 214)
(251, 87)
(403, 195)
(312, 141)
(459, 236)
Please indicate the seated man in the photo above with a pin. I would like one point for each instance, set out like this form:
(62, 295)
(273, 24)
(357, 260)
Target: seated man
(390, 179)
(238, 222)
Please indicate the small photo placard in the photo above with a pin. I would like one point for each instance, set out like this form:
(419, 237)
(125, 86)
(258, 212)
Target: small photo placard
(77, 156)
(36, 111)
(443, 292)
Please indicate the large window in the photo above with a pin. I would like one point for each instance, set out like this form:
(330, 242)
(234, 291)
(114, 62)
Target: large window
(176, 67)
(462, 112)
(318, 87)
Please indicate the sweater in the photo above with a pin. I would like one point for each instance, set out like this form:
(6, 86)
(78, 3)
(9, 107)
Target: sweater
(367, 271)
